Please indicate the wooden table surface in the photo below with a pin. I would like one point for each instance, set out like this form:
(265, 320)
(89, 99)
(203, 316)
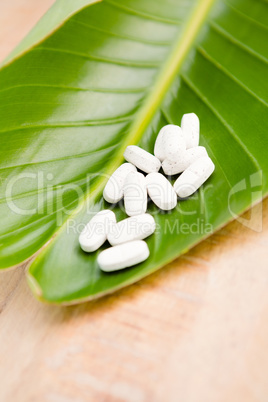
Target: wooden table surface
(196, 331)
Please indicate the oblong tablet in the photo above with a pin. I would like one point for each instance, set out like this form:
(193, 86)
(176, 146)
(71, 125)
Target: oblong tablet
(161, 191)
(178, 165)
(113, 191)
(123, 256)
(135, 194)
(142, 159)
(193, 177)
(95, 232)
(134, 228)
(169, 142)
(190, 126)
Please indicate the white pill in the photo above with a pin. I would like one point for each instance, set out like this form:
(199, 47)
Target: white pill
(135, 194)
(161, 191)
(190, 127)
(194, 176)
(123, 256)
(95, 232)
(142, 159)
(135, 228)
(169, 142)
(181, 163)
(113, 191)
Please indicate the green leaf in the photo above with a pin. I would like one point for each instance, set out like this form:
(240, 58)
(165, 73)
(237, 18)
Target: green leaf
(109, 74)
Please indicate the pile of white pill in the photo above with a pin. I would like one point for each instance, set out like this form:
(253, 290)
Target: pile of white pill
(177, 151)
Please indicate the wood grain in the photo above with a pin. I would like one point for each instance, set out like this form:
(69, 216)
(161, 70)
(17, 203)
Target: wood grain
(195, 331)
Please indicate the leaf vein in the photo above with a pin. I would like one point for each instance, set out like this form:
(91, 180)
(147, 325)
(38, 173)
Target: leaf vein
(216, 27)
(118, 62)
(104, 122)
(138, 13)
(98, 90)
(124, 37)
(214, 62)
(221, 119)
